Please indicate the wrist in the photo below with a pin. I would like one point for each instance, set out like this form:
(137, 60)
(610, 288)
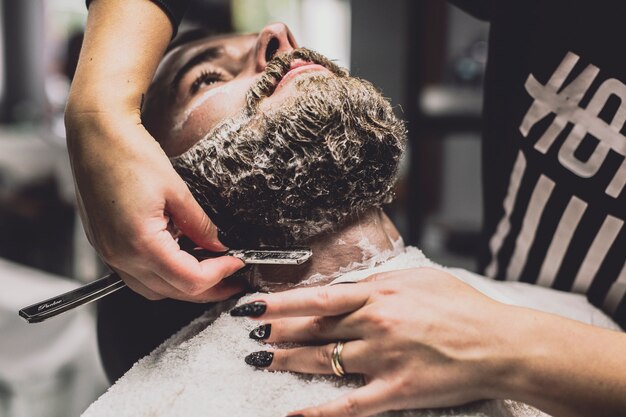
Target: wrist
(88, 134)
(513, 348)
(102, 100)
(529, 363)
(81, 122)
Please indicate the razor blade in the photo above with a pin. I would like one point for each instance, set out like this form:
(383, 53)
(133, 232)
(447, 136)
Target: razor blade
(110, 283)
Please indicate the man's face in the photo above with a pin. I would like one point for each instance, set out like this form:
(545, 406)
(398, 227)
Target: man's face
(277, 144)
(201, 82)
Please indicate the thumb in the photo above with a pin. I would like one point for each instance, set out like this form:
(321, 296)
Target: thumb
(189, 217)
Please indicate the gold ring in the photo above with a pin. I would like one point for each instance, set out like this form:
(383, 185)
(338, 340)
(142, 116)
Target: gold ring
(336, 362)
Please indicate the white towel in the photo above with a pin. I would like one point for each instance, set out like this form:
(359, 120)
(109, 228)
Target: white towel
(200, 371)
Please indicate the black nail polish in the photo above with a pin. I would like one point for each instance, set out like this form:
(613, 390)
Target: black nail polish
(261, 332)
(295, 415)
(260, 359)
(254, 309)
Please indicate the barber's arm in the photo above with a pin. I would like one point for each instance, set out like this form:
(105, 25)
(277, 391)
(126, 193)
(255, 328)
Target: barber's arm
(422, 338)
(127, 190)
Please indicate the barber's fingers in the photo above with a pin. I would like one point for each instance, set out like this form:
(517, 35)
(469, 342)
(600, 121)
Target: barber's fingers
(192, 220)
(382, 276)
(222, 291)
(154, 287)
(315, 301)
(136, 285)
(185, 272)
(368, 400)
(313, 359)
(219, 292)
(308, 329)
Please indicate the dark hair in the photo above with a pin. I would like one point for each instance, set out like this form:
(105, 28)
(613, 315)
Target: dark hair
(282, 178)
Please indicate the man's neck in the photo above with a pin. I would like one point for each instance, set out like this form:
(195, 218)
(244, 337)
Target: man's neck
(359, 244)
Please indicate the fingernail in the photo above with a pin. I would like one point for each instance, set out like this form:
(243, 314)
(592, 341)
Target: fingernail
(262, 332)
(260, 359)
(295, 415)
(254, 309)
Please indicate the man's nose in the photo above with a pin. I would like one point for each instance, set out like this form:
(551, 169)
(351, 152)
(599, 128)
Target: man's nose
(273, 39)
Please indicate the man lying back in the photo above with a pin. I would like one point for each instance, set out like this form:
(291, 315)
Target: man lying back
(281, 147)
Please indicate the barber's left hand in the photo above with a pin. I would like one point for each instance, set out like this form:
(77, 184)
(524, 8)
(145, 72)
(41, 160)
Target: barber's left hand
(420, 337)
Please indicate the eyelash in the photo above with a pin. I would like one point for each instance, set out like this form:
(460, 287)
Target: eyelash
(205, 77)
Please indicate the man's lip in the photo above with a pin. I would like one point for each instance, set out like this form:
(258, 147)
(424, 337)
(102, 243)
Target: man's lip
(298, 67)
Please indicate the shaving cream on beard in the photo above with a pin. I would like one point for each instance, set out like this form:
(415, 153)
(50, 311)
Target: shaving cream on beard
(280, 178)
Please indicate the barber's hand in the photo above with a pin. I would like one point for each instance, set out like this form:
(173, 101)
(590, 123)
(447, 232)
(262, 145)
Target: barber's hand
(127, 190)
(420, 337)
(128, 193)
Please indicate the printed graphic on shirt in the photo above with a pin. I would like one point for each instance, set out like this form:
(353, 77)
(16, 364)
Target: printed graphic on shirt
(563, 100)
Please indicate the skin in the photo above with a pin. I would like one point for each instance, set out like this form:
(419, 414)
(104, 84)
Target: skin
(422, 338)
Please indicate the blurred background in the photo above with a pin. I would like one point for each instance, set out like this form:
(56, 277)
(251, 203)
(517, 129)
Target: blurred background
(426, 56)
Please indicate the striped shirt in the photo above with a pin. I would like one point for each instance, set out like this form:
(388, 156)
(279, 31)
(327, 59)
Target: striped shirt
(554, 148)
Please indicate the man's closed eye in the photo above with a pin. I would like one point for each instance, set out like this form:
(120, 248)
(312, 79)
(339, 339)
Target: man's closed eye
(206, 78)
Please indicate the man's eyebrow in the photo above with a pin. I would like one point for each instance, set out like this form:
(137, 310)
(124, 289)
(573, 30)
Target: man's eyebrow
(205, 55)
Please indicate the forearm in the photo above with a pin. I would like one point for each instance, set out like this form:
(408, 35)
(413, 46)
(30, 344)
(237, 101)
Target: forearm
(124, 41)
(564, 367)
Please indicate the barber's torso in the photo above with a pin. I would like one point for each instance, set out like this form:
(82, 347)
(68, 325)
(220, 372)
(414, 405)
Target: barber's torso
(554, 166)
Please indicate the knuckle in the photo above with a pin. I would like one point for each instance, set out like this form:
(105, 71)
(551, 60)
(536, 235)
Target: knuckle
(280, 361)
(322, 298)
(380, 320)
(194, 288)
(383, 291)
(318, 326)
(209, 226)
(351, 407)
(402, 388)
(205, 225)
(323, 356)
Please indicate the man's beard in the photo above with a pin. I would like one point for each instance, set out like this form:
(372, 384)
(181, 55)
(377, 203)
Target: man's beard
(280, 178)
